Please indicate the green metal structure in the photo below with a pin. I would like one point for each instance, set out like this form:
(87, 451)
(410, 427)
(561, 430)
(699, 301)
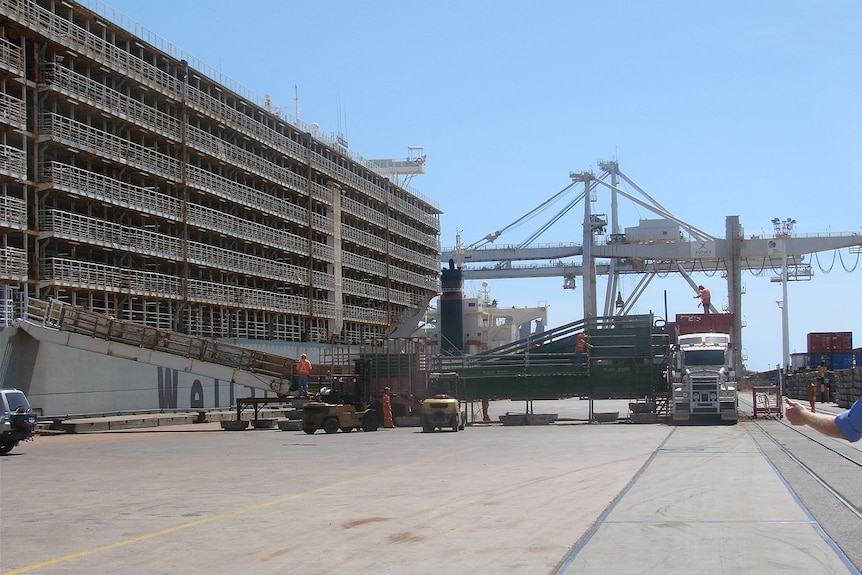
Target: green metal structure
(627, 359)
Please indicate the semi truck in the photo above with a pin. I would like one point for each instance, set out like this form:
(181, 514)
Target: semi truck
(703, 380)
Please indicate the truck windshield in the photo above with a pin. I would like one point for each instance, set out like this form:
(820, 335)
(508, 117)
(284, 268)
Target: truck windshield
(704, 357)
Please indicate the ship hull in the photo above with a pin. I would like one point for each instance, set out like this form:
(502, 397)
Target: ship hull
(62, 381)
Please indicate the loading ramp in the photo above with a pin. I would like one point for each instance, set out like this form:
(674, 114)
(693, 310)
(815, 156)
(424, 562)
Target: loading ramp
(60, 323)
(627, 360)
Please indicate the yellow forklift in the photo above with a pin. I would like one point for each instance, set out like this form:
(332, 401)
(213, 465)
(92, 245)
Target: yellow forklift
(442, 409)
(345, 409)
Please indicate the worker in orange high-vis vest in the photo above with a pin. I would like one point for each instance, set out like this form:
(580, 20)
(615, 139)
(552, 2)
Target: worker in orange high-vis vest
(812, 395)
(582, 347)
(303, 368)
(386, 407)
(705, 298)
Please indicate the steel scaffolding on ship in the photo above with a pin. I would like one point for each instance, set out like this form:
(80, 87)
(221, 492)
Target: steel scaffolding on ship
(140, 183)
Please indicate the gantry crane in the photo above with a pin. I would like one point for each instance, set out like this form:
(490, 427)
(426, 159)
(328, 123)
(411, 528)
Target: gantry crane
(618, 255)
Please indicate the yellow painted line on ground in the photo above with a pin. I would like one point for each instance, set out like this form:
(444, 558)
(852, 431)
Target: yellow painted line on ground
(230, 515)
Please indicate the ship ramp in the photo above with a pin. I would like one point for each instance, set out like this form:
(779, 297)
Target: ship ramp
(60, 323)
(627, 359)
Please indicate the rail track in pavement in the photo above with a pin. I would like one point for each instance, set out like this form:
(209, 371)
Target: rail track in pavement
(824, 474)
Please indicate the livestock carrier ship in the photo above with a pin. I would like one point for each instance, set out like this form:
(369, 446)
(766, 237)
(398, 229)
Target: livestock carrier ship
(138, 183)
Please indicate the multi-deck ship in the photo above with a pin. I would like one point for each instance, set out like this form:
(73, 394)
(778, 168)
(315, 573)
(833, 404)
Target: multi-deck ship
(138, 183)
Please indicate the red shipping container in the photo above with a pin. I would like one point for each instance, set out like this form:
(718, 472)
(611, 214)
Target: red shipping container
(843, 342)
(704, 323)
(818, 342)
(830, 342)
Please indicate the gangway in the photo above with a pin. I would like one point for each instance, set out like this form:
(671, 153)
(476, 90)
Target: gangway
(60, 323)
(627, 359)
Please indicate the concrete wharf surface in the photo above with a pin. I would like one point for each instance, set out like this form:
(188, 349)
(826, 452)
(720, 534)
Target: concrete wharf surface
(569, 497)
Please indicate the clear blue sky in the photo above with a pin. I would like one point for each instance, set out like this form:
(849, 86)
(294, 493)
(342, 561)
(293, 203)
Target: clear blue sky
(714, 108)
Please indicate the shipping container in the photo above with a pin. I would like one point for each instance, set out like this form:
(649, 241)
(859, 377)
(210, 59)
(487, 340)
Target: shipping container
(833, 361)
(814, 360)
(842, 360)
(830, 342)
(704, 323)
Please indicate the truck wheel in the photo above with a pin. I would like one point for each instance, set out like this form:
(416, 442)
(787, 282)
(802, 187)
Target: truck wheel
(455, 424)
(369, 421)
(309, 430)
(6, 448)
(346, 429)
(331, 425)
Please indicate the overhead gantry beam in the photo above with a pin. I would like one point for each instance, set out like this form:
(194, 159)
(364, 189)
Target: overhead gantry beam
(661, 258)
(510, 253)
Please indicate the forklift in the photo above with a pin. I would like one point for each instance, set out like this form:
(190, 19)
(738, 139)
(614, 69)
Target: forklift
(335, 408)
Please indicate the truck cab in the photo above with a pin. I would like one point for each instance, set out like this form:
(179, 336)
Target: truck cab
(704, 382)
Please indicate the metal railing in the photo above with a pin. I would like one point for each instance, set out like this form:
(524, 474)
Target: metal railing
(81, 136)
(12, 111)
(13, 263)
(13, 162)
(13, 212)
(11, 57)
(64, 317)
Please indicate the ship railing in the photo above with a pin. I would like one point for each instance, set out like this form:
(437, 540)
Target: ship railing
(98, 231)
(365, 212)
(84, 89)
(80, 136)
(91, 185)
(233, 226)
(144, 199)
(63, 271)
(11, 56)
(13, 161)
(429, 240)
(13, 263)
(13, 211)
(13, 111)
(367, 265)
(207, 181)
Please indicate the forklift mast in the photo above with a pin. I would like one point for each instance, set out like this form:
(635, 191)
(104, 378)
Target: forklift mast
(362, 383)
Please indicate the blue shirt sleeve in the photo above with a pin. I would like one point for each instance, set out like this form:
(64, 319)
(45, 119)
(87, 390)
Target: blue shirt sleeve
(850, 422)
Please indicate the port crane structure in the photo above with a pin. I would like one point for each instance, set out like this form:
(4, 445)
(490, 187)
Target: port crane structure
(619, 255)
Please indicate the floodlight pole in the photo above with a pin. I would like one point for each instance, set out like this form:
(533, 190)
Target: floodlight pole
(785, 328)
(783, 230)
